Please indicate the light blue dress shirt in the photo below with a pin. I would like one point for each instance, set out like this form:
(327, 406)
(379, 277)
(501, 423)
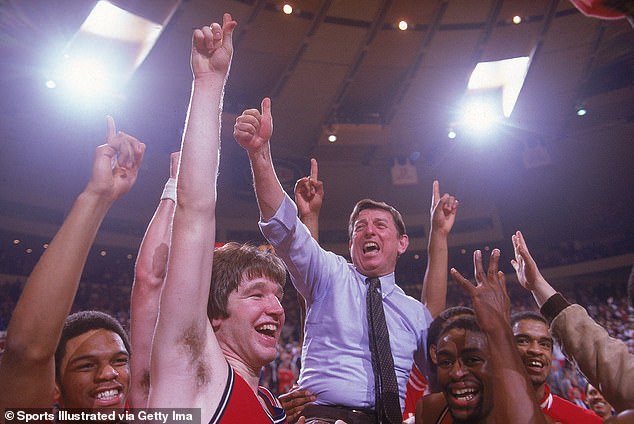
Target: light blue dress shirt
(336, 362)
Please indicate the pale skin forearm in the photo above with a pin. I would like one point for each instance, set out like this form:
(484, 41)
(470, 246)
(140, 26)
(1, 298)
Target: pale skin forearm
(434, 293)
(144, 302)
(268, 190)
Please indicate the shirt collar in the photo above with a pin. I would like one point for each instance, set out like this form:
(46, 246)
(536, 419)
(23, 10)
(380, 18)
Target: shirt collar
(388, 283)
(547, 400)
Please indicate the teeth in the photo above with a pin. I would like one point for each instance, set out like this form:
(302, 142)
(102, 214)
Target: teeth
(267, 327)
(464, 393)
(107, 395)
(370, 246)
(536, 364)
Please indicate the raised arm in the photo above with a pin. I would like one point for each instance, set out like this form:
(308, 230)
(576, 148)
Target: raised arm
(528, 273)
(149, 275)
(253, 131)
(513, 395)
(443, 215)
(309, 196)
(27, 369)
(604, 360)
(187, 366)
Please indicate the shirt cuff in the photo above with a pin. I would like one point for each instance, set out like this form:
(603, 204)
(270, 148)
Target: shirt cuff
(553, 306)
(286, 216)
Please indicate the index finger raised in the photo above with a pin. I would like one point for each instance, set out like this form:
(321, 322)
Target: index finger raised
(111, 129)
(314, 169)
(435, 196)
(458, 278)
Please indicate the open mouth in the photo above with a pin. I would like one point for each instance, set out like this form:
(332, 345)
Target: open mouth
(108, 397)
(467, 397)
(534, 366)
(269, 330)
(370, 246)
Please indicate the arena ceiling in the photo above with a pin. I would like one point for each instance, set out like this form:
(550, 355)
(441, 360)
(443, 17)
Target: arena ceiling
(343, 65)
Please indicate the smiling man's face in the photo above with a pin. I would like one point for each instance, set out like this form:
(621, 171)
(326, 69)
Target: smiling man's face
(375, 243)
(94, 371)
(535, 344)
(463, 360)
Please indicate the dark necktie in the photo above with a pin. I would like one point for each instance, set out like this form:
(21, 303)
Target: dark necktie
(388, 405)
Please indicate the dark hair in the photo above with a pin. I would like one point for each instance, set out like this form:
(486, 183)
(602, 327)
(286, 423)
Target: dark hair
(373, 204)
(435, 328)
(528, 315)
(463, 323)
(441, 320)
(82, 322)
(231, 263)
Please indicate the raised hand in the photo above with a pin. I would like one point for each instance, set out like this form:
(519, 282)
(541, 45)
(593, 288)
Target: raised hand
(489, 297)
(253, 129)
(525, 267)
(443, 210)
(116, 164)
(528, 273)
(309, 192)
(212, 48)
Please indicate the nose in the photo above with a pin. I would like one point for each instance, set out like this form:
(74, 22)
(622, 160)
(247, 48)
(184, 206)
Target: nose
(534, 347)
(458, 370)
(108, 372)
(274, 307)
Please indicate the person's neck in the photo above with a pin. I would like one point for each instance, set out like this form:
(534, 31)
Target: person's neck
(248, 374)
(540, 391)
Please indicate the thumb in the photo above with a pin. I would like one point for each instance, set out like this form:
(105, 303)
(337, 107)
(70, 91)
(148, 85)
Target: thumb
(228, 25)
(266, 107)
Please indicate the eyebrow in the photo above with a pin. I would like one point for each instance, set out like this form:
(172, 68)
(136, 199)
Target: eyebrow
(261, 285)
(540, 338)
(91, 357)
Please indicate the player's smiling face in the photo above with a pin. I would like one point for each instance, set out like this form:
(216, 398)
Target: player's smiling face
(94, 372)
(375, 243)
(535, 345)
(462, 357)
(251, 331)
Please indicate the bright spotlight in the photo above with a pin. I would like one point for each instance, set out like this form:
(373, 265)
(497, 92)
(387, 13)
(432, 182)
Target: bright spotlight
(451, 134)
(51, 84)
(581, 110)
(517, 19)
(332, 138)
(479, 114)
(287, 8)
(107, 48)
(87, 77)
(402, 25)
